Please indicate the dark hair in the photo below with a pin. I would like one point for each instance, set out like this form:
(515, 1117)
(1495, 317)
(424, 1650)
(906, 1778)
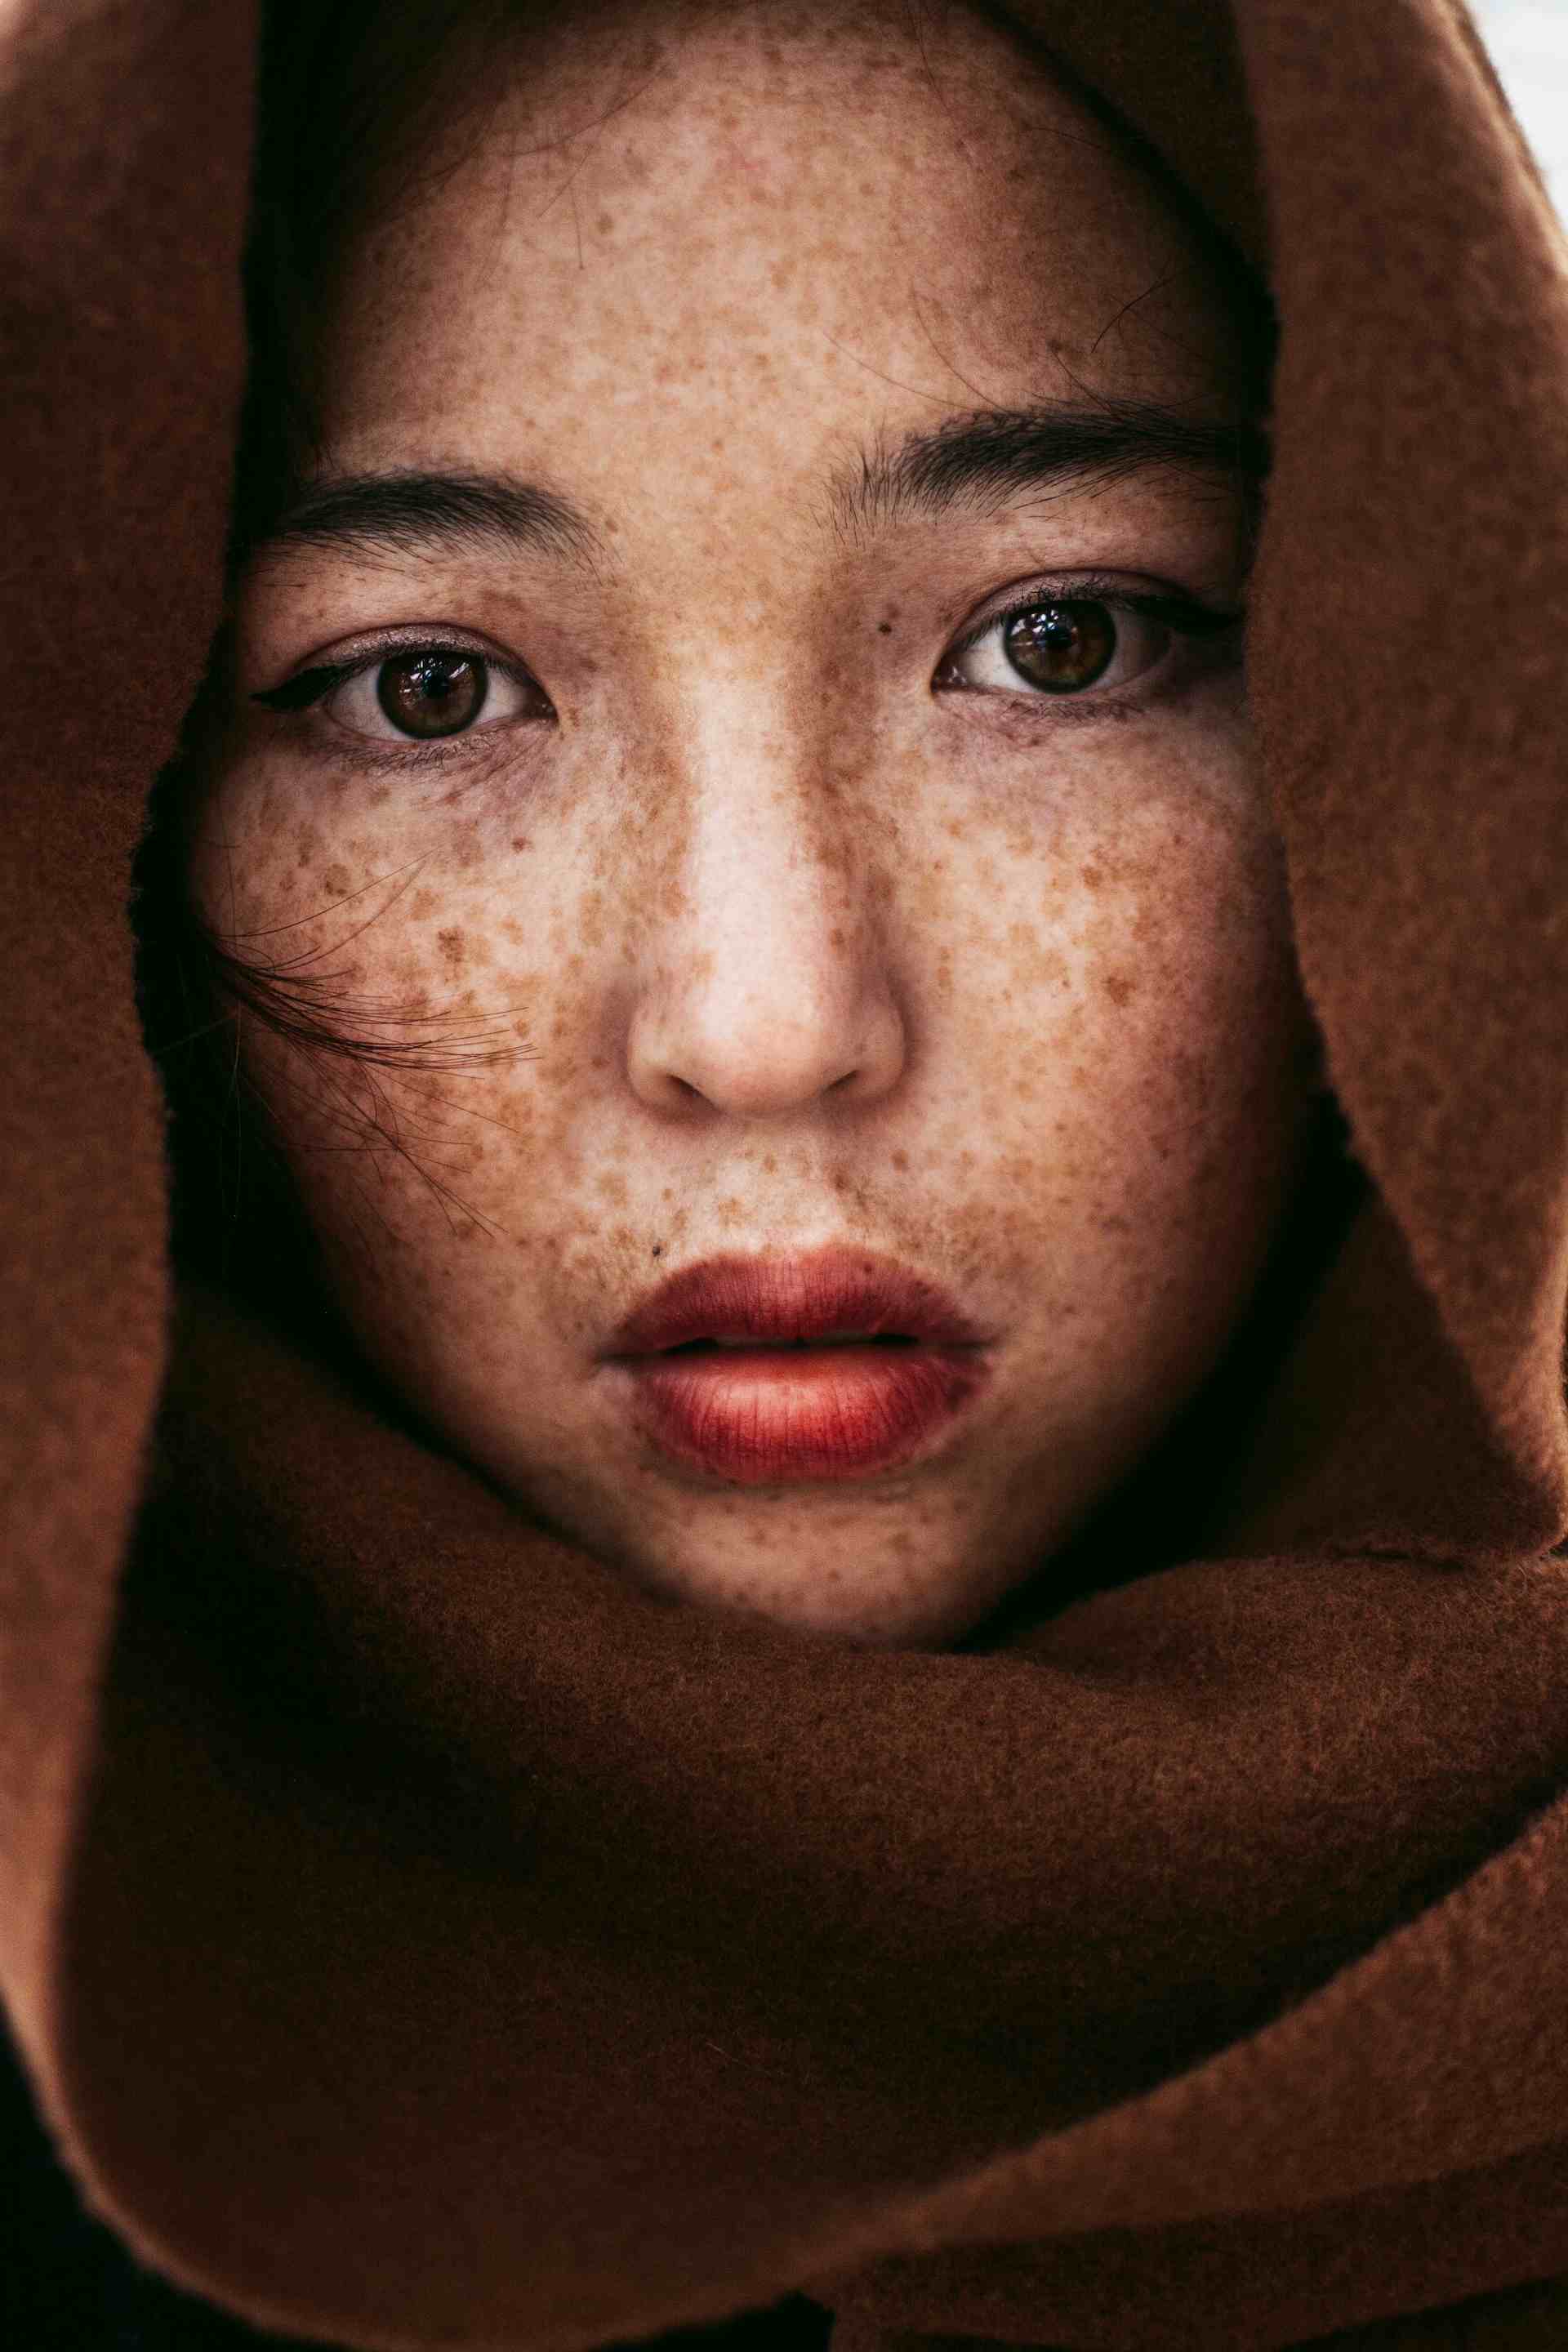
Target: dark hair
(346, 97)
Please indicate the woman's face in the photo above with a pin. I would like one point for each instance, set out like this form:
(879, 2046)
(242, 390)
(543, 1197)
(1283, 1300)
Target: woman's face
(831, 921)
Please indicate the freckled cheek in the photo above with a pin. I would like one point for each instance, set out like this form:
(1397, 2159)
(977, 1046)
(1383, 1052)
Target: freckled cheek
(270, 846)
(1151, 1035)
(458, 981)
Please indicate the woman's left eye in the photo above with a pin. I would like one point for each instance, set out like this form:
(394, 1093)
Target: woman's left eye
(1065, 646)
(420, 694)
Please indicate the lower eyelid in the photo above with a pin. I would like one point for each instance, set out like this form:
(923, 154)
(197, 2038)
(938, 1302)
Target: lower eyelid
(309, 687)
(1133, 621)
(496, 673)
(1199, 638)
(315, 689)
(1164, 690)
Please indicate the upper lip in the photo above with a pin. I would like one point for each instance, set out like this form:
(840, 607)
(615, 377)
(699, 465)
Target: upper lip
(808, 1296)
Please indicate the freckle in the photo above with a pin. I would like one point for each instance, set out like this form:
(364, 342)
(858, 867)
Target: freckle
(1117, 987)
(900, 1159)
(768, 1163)
(520, 841)
(604, 224)
(422, 903)
(1091, 876)
(451, 946)
(336, 881)
(612, 1189)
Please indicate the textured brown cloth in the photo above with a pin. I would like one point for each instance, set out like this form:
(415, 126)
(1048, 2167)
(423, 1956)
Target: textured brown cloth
(416, 1935)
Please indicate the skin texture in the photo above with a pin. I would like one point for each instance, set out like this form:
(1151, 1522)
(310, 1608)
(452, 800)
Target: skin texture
(798, 948)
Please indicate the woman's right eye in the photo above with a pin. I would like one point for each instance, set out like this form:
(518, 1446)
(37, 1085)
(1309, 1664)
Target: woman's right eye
(420, 694)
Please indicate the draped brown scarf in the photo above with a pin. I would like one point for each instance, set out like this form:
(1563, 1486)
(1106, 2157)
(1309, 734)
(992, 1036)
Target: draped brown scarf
(416, 1937)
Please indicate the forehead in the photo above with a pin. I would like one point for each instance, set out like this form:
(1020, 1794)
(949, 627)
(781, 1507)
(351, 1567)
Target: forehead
(668, 233)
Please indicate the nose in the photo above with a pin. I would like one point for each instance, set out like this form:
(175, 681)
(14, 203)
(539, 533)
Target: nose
(767, 990)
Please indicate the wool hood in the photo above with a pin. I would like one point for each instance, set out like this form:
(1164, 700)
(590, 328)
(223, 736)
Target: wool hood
(413, 1935)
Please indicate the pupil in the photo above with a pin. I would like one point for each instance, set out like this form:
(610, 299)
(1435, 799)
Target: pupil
(432, 694)
(1061, 647)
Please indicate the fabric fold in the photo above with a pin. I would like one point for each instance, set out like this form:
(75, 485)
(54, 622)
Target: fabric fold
(414, 1935)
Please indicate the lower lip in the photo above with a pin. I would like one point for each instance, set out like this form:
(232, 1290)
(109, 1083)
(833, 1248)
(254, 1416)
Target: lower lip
(760, 1416)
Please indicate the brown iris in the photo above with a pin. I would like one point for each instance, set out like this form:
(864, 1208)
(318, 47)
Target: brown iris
(1060, 645)
(432, 693)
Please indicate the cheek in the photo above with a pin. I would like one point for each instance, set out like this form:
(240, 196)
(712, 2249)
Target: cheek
(405, 1008)
(1148, 1051)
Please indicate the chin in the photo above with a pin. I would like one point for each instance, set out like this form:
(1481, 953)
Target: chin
(866, 1612)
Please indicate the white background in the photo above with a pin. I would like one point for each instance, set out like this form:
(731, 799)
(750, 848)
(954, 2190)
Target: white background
(1529, 43)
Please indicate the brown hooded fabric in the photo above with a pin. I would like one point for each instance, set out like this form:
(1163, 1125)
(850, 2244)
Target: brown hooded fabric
(416, 1935)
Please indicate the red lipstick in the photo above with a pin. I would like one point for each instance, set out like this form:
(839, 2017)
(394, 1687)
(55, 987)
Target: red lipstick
(831, 1365)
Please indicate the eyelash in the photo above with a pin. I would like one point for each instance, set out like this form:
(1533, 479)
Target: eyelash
(1174, 609)
(1185, 615)
(309, 686)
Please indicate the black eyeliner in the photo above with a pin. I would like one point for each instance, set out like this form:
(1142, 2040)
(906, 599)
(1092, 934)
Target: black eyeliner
(297, 693)
(1172, 607)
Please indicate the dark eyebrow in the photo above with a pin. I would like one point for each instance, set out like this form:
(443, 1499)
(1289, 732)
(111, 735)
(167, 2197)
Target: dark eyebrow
(976, 457)
(414, 512)
(984, 455)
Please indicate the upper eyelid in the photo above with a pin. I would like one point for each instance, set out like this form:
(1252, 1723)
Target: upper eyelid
(1086, 586)
(342, 672)
(406, 638)
(1158, 603)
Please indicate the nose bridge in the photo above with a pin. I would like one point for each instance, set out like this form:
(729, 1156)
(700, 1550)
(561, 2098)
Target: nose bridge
(769, 855)
(765, 985)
